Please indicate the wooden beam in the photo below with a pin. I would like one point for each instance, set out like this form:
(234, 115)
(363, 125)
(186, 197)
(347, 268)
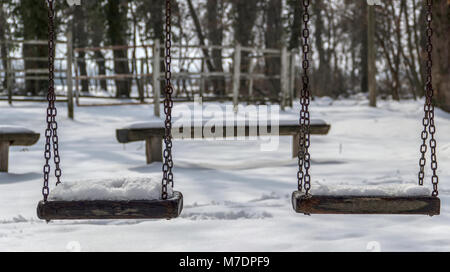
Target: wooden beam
(103, 209)
(325, 204)
(4, 153)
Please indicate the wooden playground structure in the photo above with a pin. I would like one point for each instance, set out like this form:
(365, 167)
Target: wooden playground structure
(147, 72)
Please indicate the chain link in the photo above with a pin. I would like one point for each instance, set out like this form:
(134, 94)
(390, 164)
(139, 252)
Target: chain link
(168, 104)
(429, 128)
(51, 135)
(304, 163)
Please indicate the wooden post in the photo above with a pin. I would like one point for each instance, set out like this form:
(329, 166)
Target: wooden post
(70, 112)
(284, 78)
(4, 152)
(236, 76)
(202, 79)
(77, 85)
(9, 74)
(156, 75)
(295, 145)
(250, 85)
(153, 149)
(292, 79)
(371, 56)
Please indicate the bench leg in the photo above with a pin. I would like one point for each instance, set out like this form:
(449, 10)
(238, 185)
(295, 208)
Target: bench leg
(295, 145)
(4, 152)
(153, 149)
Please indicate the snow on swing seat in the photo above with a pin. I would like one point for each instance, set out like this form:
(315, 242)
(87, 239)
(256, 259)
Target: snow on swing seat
(127, 188)
(367, 199)
(401, 189)
(117, 198)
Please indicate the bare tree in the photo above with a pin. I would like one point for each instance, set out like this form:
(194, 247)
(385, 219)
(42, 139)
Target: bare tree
(116, 18)
(274, 39)
(215, 29)
(441, 56)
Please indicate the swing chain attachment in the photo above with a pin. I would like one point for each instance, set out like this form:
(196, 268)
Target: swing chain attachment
(303, 176)
(428, 119)
(51, 136)
(168, 104)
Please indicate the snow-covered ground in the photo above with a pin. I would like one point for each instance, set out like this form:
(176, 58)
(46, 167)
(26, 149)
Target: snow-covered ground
(237, 197)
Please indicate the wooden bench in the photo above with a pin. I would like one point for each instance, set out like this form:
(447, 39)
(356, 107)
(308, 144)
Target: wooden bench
(153, 132)
(14, 136)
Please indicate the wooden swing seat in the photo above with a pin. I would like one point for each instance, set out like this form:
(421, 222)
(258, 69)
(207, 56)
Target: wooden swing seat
(331, 204)
(108, 209)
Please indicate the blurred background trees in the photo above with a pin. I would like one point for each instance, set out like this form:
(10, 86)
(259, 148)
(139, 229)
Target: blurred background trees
(339, 42)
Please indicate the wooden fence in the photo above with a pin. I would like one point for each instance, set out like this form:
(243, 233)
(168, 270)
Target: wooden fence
(154, 73)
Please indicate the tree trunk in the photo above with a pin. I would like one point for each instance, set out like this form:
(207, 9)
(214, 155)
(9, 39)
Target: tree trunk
(116, 17)
(371, 69)
(135, 71)
(3, 48)
(273, 37)
(33, 15)
(364, 51)
(156, 23)
(83, 71)
(81, 40)
(322, 79)
(96, 29)
(296, 7)
(441, 53)
(215, 10)
(101, 69)
(201, 37)
(245, 13)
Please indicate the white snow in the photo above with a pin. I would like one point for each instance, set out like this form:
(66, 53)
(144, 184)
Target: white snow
(14, 129)
(126, 188)
(144, 125)
(236, 197)
(371, 190)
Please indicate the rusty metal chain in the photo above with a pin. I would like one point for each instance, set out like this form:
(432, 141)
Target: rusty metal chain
(51, 136)
(304, 163)
(168, 104)
(428, 120)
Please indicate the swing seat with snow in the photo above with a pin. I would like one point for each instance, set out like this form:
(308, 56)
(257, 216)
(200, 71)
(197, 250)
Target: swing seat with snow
(111, 209)
(122, 198)
(114, 198)
(305, 202)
